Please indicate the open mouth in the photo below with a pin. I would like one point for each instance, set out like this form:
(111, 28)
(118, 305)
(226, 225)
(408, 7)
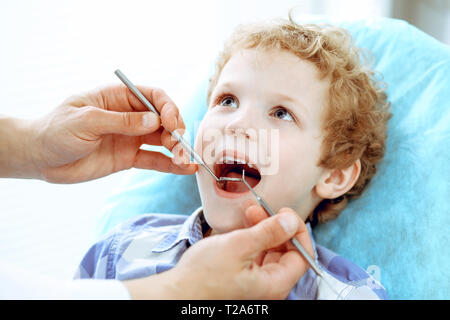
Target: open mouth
(233, 169)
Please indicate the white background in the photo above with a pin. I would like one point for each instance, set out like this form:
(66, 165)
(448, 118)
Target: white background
(53, 49)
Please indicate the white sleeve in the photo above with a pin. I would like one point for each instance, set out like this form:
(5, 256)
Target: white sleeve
(16, 283)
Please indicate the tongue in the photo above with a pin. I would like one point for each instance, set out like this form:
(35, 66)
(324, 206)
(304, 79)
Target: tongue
(239, 187)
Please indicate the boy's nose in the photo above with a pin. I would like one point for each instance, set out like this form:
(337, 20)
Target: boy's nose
(237, 132)
(242, 125)
(248, 133)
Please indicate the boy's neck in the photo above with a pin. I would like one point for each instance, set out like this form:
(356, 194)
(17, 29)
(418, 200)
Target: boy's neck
(208, 233)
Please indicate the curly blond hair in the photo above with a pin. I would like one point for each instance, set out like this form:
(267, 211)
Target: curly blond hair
(355, 122)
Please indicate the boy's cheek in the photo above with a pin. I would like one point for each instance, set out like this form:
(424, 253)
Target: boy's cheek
(206, 140)
(297, 167)
(290, 158)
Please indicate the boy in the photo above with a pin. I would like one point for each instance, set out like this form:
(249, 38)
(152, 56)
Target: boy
(305, 86)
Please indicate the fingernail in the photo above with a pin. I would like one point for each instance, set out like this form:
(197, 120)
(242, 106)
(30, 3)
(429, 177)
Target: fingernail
(289, 222)
(149, 120)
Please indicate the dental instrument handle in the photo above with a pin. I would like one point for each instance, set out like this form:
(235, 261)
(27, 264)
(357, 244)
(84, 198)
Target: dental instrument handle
(316, 268)
(294, 241)
(135, 91)
(191, 151)
(174, 134)
(308, 258)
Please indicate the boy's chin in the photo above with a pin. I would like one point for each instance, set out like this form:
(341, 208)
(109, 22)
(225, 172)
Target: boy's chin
(224, 220)
(222, 230)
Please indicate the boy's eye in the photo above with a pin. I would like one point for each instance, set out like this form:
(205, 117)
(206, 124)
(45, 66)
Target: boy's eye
(228, 101)
(282, 113)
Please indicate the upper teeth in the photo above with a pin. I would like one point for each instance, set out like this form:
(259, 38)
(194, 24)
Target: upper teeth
(231, 159)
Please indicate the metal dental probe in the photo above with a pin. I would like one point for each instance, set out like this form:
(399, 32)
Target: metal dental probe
(317, 269)
(174, 134)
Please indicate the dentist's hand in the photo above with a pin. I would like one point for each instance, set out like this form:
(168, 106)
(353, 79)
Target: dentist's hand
(99, 132)
(255, 214)
(223, 266)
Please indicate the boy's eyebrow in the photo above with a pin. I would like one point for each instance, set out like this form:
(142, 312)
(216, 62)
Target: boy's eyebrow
(225, 86)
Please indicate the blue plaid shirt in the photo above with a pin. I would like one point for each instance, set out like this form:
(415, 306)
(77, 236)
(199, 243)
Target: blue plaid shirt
(153, 243)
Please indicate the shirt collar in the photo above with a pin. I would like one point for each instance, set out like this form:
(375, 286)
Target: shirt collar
(195, 226)
(191, 231)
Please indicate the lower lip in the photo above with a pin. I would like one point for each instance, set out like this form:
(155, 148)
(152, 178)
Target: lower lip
(225, 194)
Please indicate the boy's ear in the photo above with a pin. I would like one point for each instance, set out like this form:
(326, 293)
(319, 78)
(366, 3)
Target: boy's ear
(336, 182)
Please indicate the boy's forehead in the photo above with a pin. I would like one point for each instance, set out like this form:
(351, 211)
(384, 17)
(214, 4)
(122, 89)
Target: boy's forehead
(274, 65)
(278, 72)
(262, 58)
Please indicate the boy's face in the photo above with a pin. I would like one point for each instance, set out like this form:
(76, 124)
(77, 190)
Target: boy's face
(267, 106)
